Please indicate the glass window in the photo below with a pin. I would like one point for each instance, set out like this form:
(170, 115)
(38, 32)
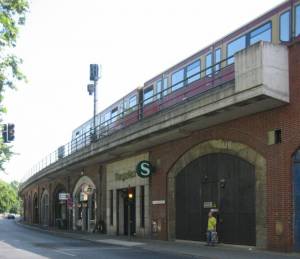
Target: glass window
(114, 114)
(263, 33)
(285, 26)
(177, 79)
(106, 118)
(165, 86)
(208, 64)
(193, 72)
(297, 20)
(132, 102)
(217, 60)
(159, 88)
(148, 95)
(234, 47)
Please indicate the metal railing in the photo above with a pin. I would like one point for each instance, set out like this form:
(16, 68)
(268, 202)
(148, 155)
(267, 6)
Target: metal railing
(162, 100)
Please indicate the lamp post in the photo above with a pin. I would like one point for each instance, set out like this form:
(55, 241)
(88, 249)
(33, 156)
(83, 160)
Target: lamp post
(92, 89)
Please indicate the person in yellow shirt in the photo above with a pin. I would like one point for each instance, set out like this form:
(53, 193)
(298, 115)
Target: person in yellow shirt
(211, 229)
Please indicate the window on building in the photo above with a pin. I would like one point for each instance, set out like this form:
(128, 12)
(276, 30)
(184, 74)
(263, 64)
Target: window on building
(132, 102)
(148, 94)
(111, 207)
(234, 47)
(114, 114)
(297, 12)
(193, 71)
(217, 60)
(274, 137)
(159, 87)
(165, 86)
(263, 33)
(177, 79)
(285, 26)
(142, 206)
(208, 64)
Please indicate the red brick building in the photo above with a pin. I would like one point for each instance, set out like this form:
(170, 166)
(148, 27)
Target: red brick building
(231, 148)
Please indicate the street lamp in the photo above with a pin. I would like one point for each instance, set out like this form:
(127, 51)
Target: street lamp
(92, 89)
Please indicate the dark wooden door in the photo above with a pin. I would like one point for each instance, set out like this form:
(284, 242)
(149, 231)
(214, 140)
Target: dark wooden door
(296, 178)
(216, 181)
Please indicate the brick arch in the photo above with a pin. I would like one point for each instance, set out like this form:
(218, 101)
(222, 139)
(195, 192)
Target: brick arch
(236, 149)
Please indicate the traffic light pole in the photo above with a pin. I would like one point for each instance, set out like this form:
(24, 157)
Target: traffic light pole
(95, 109)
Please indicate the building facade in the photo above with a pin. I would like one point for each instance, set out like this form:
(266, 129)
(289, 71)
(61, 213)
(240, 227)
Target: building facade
(233, 149)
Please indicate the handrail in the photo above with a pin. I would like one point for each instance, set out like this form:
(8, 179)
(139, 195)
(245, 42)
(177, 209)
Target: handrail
(115, 123)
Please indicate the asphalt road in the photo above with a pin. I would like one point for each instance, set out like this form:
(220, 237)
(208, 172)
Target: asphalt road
(22, 243)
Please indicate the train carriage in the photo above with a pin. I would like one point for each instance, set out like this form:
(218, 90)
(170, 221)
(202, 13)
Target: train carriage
(209, 68)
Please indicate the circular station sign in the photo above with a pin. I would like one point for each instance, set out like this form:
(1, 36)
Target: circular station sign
(144, 169)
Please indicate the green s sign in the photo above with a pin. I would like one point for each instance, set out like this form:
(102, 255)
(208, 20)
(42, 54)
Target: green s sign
(144, 169)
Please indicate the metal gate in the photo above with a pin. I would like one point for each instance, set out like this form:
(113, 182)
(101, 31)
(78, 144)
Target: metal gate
(296, 172)
(222, 182)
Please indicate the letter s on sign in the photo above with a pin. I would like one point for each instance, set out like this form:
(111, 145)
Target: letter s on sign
(144, 169)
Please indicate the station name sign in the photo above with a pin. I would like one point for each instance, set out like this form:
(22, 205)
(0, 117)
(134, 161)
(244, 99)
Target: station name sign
(144, 169)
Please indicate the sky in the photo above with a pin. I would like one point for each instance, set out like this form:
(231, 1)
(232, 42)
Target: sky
(132, 40)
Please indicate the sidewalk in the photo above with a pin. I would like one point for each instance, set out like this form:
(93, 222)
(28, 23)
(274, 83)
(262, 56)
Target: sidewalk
(197, 249)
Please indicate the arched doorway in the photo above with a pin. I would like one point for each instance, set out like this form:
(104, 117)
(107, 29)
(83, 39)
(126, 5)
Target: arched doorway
(220, 182)
(60, 208)
(35, 209)
(237, 150)
(84, 212)
(296, 187)
(29, 210)
(25, 208)
(45, 208)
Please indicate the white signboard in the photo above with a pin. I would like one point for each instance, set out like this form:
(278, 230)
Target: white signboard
(158, 202)
(83, 196)
(63, 196)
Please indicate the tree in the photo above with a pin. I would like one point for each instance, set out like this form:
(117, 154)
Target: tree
(9, 201)
(12, 16)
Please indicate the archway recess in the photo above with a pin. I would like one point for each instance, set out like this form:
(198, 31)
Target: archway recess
(228, 147)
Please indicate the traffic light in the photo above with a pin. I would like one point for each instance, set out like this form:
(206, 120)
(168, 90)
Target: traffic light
(10, 131)
(94, 72)
(4, 133)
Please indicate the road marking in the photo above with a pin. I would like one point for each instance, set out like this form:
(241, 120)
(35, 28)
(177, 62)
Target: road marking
(64, 253)
(119, 242)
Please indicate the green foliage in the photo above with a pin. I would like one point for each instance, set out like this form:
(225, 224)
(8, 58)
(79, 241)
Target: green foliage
(9, 200)
(12, 15)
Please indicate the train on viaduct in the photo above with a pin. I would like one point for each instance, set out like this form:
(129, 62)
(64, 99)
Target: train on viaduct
(218, 131)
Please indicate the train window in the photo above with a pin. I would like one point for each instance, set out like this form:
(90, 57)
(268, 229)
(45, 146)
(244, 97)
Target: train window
(193, 71)
(148, 95)
(234, 47)
(165, 86)
(217, 60)
(159, 88)
(114, 114)
(106, 118)
(263, 33)
(297, 20)
(285, 27)
(177, 79)
(132, 102)
(208, 64)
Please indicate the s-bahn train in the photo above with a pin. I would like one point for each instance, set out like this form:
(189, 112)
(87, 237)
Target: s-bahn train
(209, 68)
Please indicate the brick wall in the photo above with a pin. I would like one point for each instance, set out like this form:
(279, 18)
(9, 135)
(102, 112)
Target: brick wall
(251, 131)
